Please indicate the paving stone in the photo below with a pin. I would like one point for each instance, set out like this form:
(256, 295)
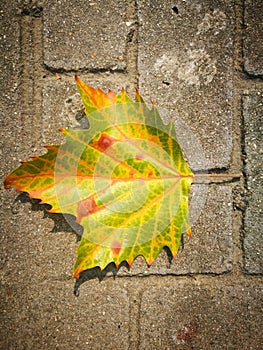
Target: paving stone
(60, 105)
(185, 65)
(48, 316)
(253, 44)
(42, 245)
(85, 34)
(210, 250)
(10, 117)
(253, 124)
(201, 317)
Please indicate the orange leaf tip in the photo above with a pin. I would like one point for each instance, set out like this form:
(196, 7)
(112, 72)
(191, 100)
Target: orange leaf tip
(77, 273)
(149, 262)
(189, 232)
(137, 94)
(129, 262)
(64, 131)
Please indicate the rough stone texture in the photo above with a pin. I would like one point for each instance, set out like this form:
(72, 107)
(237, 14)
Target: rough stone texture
(201, 318)
(86, 34)
(10, 117)
(253, 123)
(210, 250)
(253, 43)
(34, 248)
(9, 79)
(185, 64)
(46, 315)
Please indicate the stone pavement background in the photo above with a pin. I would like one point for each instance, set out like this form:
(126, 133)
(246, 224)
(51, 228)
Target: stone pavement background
(203, 62)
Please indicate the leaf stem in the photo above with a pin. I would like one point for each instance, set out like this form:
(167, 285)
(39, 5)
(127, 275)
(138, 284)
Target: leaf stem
(218, 175)
(208, 178)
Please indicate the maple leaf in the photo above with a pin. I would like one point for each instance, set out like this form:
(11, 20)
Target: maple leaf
(124, 179)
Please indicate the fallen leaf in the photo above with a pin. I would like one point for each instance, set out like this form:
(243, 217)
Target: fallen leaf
(124, 179)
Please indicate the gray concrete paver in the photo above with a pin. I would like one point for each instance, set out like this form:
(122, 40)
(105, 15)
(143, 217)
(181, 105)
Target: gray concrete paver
(10, 117)
(35, 252)
(253, 124)
(85, 35)
(46, 315)
(185, 65)
(201, 317)
(253, 33)
(10, 121)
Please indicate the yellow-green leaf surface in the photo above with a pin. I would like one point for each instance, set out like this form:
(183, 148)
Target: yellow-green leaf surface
(124, 179)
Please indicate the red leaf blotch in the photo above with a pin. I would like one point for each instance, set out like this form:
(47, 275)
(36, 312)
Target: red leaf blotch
(86, 207)
(104, 142)
(116, 247)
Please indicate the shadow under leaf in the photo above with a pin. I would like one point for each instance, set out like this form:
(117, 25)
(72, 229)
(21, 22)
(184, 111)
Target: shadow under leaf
(96, 272)
(62, 222)
(67, 223)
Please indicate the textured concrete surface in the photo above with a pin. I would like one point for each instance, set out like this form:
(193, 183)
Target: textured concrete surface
(182, 56)
(253, 123)
(84, 35)
(185, 64)
(184, 318)
(253, 44)
(47, 316)
(10, 81)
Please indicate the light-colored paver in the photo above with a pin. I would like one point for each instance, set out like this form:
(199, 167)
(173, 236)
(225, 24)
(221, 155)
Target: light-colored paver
(185, 65)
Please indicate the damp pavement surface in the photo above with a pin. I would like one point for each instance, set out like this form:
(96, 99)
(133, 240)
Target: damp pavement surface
(200, 63)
